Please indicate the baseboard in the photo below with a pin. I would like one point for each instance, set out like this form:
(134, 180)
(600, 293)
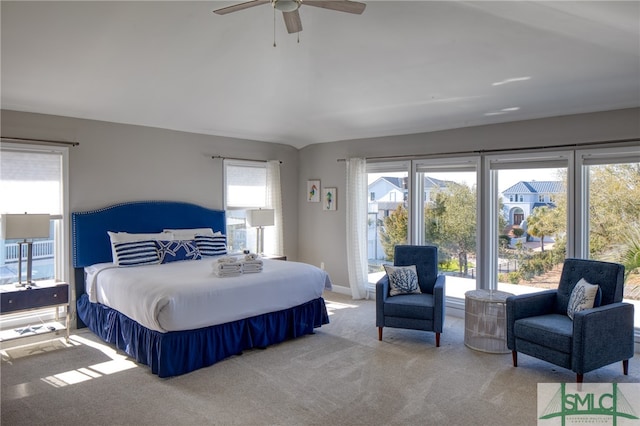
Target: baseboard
(341, 289)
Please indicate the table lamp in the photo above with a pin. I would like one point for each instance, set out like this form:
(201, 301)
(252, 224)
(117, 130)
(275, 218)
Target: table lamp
(25, 227)
(259, 219)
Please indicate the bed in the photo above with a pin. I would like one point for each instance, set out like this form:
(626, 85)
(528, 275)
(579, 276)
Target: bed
(179, 316)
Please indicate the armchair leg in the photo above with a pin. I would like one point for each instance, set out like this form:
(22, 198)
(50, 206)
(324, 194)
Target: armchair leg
(625, 367)
(379, 333)
(579, 378)
(514, 355)
(437, 340)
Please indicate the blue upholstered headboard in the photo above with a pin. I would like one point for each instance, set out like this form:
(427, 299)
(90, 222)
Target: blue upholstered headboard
(91, 242)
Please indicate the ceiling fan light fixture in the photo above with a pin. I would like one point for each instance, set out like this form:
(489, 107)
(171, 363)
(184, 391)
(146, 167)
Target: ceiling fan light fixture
(286, 5)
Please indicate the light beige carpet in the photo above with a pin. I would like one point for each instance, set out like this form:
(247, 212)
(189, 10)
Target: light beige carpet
(342, 375)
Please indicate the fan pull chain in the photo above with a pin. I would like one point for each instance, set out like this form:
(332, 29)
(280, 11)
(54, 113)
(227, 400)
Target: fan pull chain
(274, 27)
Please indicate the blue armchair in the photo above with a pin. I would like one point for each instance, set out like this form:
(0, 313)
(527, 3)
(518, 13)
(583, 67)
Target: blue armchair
(417, 311)
(538, 324)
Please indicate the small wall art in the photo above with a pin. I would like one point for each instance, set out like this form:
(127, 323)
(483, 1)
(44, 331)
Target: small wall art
(329, 198)
(313, 191)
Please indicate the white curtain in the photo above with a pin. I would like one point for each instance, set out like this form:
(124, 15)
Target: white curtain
(273, 234)
(357, 226)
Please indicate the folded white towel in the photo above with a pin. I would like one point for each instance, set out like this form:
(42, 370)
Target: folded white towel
(227, 259)
(223, 274)
(228, 267)
(252, 262)
(250, 266)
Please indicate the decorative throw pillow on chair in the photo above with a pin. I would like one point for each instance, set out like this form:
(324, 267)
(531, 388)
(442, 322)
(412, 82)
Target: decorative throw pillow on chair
(582, 297)
(402, 279)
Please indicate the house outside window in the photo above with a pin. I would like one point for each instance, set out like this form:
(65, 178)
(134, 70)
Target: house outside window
(387, 187)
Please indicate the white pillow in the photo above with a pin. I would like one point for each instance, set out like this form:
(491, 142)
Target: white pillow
(582, 297)
(402, 279)
(190, 233)
(126, 237)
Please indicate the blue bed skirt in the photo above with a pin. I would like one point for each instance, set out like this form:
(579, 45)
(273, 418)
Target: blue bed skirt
(179, 352)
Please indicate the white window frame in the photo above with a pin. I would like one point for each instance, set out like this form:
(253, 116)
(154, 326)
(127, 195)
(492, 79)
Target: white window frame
(489, 228)
(250, 233)
(588, 157)
(62, 241)
(488, 164)
(439, 165)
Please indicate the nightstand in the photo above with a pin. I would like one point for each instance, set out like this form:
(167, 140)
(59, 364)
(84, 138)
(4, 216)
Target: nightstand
(273, 257)
(44, 294)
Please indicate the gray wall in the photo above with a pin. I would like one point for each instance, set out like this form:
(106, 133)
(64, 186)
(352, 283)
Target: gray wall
(322, 234)
(118, 162)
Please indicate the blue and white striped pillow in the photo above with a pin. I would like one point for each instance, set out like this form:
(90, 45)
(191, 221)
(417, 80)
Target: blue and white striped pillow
(135, 253)
(215, 245)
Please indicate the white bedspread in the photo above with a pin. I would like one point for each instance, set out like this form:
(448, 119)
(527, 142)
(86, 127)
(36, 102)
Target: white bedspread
(187, 295)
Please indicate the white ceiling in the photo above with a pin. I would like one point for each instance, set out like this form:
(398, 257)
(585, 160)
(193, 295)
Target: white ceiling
(399, 68)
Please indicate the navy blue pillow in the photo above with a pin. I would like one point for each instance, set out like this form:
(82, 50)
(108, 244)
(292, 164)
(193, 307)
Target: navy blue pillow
(172, 251)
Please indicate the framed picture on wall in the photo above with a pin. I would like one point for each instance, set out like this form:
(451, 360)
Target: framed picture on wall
(313, 191)
(329, 198)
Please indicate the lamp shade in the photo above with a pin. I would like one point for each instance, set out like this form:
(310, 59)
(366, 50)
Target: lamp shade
(25, 226)
(261, 217)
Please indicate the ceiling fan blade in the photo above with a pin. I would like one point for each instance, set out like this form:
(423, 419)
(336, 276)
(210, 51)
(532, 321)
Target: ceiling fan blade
(241, 6)
(292, 21)
(339, 5)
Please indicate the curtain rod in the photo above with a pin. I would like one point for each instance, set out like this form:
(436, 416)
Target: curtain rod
(38, 141)
(241, 159)
(504, 150)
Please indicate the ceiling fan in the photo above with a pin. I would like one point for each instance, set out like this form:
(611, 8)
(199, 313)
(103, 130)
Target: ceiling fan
(289, 9)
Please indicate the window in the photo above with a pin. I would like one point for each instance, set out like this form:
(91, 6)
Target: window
(447, 217)
(387, 217)
(372, 196)
(610, 212)
(245, 189)
(528, 242)
(574, 203)
(33, 180)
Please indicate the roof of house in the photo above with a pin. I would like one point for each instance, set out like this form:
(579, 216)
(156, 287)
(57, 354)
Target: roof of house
(429, 182)
(395, 181)
(536, 205)
(536, 187)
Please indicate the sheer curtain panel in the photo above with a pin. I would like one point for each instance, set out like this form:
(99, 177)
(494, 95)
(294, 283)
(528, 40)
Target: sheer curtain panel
(274, 242)
(357, 226)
